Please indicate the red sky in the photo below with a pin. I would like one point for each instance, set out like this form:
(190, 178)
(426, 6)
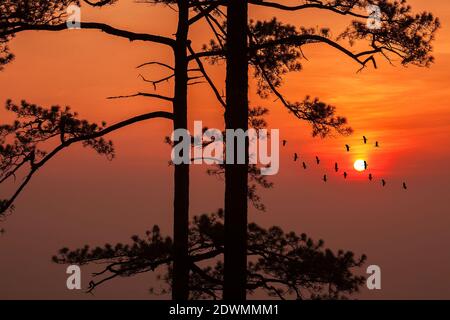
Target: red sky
(82, 198)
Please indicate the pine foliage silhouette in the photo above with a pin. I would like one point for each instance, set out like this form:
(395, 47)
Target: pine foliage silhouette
(24, 143)
(282, 265)
(273, 49)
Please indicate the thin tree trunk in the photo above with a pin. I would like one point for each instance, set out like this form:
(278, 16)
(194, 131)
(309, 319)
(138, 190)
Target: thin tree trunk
(180, 289)
(236, 184)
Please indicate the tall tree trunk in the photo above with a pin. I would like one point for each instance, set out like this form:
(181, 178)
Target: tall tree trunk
(180, 289)
(236, 184)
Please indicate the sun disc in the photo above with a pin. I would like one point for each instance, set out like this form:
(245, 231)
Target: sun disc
(359, 165)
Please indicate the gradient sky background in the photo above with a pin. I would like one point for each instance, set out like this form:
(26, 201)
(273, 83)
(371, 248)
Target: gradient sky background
(80, 198)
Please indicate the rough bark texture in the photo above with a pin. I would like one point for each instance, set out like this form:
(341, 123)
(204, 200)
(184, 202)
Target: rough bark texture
(236, 117)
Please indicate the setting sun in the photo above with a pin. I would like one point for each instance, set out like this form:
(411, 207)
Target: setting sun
(274, 116)
(359, 165)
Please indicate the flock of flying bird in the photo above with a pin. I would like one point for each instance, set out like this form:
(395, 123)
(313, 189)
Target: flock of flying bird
(336, 166)
(325, 177)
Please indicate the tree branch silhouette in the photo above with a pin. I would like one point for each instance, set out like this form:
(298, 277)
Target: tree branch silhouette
(283, 265)
(100, 3)
(36, 125)
(207, 77)
(204, 12)
(20, 27)
(143, 94)
(342, 7)
(157, 63)
(275, 49)
(17, 16)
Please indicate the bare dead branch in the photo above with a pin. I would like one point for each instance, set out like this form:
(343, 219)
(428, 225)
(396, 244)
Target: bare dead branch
(156, 82)
(156, 63)
(142, 94)
(205, 74)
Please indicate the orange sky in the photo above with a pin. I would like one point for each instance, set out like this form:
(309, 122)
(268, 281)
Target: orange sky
(81, 198)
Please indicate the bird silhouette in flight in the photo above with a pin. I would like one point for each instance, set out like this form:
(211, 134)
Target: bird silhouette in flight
(365, 139)
(365, 165)
(304, 165)
(336, 167)
(377, 145)
(325, 178)
(284, 143)
(317, 160)
(404, 186)
(370, 177)
(345, 175)
(383, 182)
(347, 147)
(295, 156)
